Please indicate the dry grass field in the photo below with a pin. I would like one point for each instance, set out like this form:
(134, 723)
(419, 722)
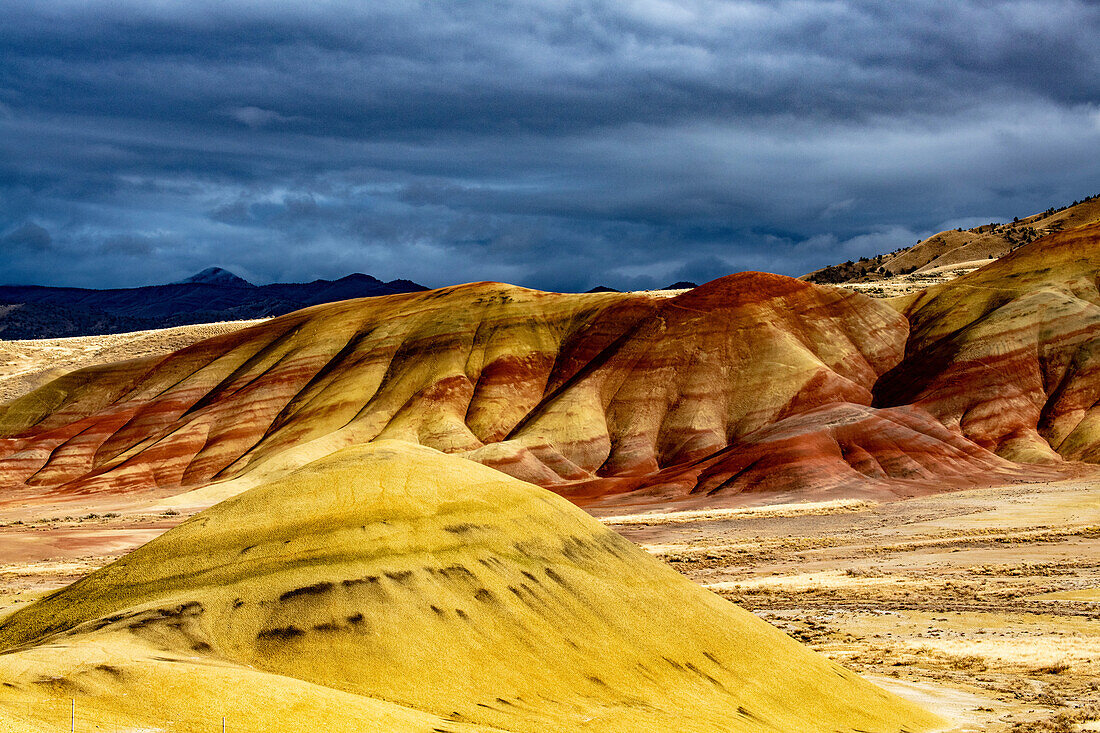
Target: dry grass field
(27, 365)
(896, 285)
(983, 604)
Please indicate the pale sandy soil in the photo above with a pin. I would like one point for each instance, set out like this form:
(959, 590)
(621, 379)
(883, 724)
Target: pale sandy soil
(27, 365)
(983, 605)
(39, 556)
(709, 515)
(911, 283)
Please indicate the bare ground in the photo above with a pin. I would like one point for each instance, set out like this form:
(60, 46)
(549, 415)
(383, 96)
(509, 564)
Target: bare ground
(982, 605)
(42, 555)
(891, 287)
(29, 364)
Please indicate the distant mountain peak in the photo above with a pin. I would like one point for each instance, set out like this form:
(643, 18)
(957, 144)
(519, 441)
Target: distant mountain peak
(217, 276)
(358, 277)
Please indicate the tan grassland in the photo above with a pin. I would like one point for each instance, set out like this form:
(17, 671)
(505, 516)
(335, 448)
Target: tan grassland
(891, 287)
(28, 364)
(982, 605)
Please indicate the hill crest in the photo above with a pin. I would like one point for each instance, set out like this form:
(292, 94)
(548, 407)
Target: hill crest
(956, 248)
(216, 276)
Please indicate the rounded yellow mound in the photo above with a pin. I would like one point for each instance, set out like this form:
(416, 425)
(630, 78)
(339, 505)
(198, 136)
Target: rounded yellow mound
(391, 587)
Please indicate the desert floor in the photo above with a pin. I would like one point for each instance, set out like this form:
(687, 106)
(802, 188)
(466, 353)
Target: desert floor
(891, 287)
(27, 365)
(984, 605)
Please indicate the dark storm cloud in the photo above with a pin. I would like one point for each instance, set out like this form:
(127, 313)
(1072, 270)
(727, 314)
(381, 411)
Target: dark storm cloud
(555, 144)
(30, 236)
(128, 244)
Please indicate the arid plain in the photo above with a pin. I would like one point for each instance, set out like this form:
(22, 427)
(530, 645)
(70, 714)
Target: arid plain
(982, 604)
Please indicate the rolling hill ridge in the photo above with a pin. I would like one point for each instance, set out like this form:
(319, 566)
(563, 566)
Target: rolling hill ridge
(751, 388)
(962, 247)
(1009, 355)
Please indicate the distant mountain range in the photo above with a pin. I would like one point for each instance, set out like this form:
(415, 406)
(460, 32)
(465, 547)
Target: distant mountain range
(681, 285)
(33, 311)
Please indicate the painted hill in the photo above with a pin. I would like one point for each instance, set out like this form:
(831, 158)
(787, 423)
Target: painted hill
(390, 587)
(1010, 354)
(836, 450)
(32, 312)
(597, 396)
(960, 247)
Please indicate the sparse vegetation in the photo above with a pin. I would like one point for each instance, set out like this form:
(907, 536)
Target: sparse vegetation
(896, 591)
(984, 242)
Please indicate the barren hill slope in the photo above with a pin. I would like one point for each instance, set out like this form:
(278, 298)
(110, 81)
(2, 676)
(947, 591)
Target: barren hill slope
(596, 395)
(959, 247)
(390, 587)
(1010, 354)
(990, 242)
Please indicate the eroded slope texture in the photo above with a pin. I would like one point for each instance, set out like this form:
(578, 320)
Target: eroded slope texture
(1010, 354)
(390, 587)
(594, 394)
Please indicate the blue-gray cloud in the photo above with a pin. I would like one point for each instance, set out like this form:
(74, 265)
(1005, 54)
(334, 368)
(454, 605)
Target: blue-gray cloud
(28, 237)
(554, 144)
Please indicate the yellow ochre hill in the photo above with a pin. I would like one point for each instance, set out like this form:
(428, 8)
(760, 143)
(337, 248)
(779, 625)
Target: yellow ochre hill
(389, 587)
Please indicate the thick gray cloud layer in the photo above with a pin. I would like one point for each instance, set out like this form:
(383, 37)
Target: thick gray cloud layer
(552, 144)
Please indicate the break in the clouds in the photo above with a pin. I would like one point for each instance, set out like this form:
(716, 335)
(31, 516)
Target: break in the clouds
(552, 144)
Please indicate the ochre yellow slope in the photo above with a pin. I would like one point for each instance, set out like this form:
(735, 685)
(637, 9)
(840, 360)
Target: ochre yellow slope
(390, 587)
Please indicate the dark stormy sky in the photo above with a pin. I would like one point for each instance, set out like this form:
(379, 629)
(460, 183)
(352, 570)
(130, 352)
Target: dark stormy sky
(554, 144)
